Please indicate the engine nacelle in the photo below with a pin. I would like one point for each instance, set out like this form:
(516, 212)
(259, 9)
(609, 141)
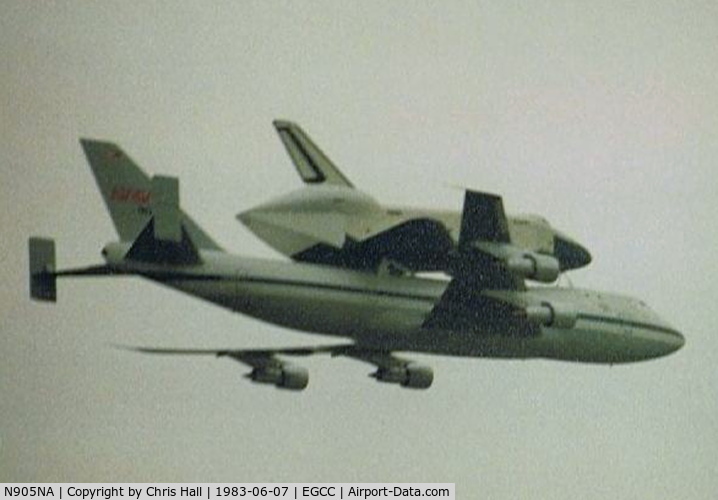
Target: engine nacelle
(294, 378)
(265, 375)
(392, 375)
(413, 376)
(418, 376)
(543, 268)
(285, 377)
(553, 315)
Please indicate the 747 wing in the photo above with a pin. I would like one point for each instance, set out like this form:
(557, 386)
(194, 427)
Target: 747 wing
(267, 368)
(486, 261)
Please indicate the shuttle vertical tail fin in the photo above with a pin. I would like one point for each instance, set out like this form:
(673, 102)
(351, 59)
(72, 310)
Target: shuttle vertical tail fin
(313, 165)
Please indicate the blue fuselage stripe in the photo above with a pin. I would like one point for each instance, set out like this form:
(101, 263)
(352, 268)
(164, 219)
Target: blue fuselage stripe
(388, 293)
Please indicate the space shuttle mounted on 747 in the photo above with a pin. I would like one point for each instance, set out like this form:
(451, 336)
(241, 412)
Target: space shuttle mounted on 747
(331, 222)
(363, 286)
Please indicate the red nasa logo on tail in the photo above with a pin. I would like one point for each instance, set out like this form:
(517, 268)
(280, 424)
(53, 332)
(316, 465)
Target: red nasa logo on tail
(125, 194)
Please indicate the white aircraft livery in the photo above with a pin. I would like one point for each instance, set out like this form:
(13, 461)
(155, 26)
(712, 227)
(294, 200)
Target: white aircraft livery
(485, 309)
(331, 222)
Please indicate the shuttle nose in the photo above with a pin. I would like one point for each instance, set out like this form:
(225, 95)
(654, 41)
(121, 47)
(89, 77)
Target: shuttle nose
(569, 253)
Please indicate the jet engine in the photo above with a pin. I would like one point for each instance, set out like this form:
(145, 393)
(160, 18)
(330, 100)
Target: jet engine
(525, 264)
(553, 315)
(289, 377)
(543, 268)
(413, 375)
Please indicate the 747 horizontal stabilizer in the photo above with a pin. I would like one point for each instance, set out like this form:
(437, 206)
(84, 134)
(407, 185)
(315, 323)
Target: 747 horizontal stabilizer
(43, 275)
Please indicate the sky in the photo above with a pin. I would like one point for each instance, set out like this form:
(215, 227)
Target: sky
(600, 116)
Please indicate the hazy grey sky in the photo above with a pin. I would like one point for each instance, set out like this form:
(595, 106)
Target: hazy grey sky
(602, 116)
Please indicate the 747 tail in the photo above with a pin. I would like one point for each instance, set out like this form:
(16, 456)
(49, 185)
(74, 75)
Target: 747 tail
(128, 193)
(145, 212)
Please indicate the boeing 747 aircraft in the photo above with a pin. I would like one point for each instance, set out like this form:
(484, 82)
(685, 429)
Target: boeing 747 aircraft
(484, 310)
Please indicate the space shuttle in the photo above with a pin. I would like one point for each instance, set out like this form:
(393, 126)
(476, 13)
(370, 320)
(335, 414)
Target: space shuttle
(329, 221)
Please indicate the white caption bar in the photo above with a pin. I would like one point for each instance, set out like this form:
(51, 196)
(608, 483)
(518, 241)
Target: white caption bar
(226, 491)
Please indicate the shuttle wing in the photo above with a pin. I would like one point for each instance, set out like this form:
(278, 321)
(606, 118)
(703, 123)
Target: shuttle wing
(414, 245)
